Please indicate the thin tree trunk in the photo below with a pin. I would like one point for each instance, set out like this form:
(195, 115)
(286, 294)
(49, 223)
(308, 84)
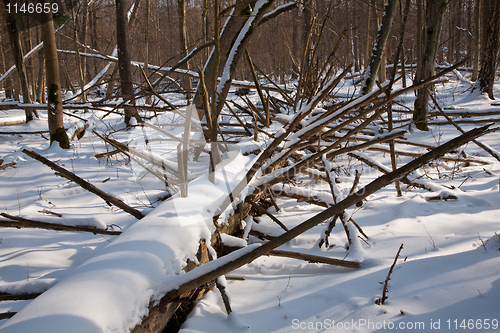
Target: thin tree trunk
(477, 40)
(124, 67)
(420, 38)
(181, 12)
(55, 106)
(83, 40)
(435, 10)
(490, 51)
(205, 28)
(377, 59)
(15, 43)
(146, 45)
(366, 55)
(79, 68)
(31, 65)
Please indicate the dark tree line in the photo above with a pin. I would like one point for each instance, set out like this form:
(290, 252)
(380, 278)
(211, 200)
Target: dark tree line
(302, 42)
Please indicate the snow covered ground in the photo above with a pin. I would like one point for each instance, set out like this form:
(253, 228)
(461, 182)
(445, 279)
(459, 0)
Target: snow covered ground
(448, 275)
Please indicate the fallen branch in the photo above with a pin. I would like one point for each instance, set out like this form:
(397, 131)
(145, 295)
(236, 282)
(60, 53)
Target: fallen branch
(84, 184)
(196, 279)
(18, 297)
(5, 166)
(314, 258)
(25, 223)
(7, 315)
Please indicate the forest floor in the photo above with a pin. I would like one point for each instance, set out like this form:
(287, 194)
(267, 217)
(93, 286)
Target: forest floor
(447, 275)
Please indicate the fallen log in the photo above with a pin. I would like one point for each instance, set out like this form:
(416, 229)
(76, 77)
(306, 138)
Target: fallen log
(85, 185)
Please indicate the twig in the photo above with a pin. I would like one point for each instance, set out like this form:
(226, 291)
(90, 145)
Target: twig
(386, 290)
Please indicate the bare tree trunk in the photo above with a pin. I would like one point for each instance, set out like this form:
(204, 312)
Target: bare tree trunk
(15, 43)
(55, 106)
(124, 67)
(490, 51)
(181, 12)
(131, 24)
(366, 55)
(8, 83)
(40, 86)
(146, 45)
(420, 39)
(93, 37)
(307, 42)
(377, 56)
(231, 30)
(83, 40)
(477, 40)
(451, 33)
(435, 10)
(205, 28)
(79, 68)
(31, 65)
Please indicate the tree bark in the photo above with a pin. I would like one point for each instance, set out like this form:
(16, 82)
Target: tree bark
(435, 10)
(378, 53)
(124, 67)
(490, 52)
(54, 96)
(477, 40)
